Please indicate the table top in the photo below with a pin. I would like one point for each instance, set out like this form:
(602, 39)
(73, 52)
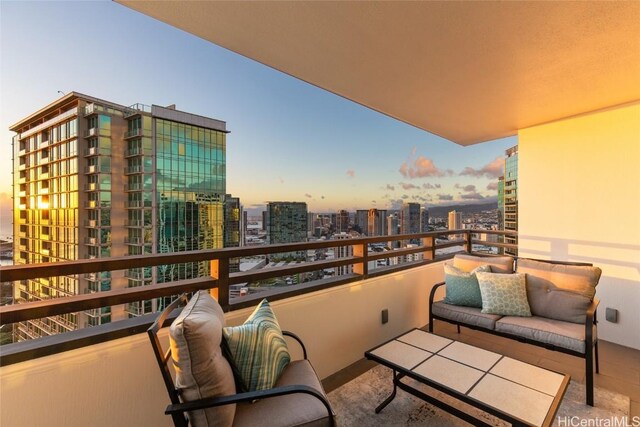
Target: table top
(526, 392)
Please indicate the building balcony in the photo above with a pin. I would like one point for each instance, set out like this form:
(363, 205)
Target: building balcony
(96, 169)
(91, 151)
(131, 152)
(136, 109)
(91, 132)
(135, 186)
(91, 223)
(136, 241)
(133, 133)
(71, 364)
(136, 204)
(132, 170)
(136, 223)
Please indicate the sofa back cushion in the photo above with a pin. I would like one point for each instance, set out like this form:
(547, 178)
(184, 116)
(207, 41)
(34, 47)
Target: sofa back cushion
(462, 288)
(557, 291)
(201, 369)
(498, 264)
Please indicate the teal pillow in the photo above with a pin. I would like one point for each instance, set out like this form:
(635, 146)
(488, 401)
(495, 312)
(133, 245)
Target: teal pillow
(258, 350)
(504, 294)
(462, 287)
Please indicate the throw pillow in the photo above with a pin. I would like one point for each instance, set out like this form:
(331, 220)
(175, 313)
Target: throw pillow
(258, 349)
(504, 294)
(201, 369)
(463, 288)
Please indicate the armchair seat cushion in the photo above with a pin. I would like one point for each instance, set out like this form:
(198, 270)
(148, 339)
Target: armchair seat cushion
(289, 410)
(467, 315)
(567, 335)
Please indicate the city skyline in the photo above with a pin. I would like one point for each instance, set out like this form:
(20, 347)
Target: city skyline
(289, 141)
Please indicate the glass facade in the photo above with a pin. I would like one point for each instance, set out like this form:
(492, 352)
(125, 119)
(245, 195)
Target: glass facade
(287, 223)
(46, 216)
(511, 196)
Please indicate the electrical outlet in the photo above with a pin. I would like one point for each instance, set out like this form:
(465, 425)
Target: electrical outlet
(611, 314)
(385, 316)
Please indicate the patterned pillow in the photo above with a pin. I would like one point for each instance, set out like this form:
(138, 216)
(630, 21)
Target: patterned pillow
(462, 288)
(504, 294)
(258, 349)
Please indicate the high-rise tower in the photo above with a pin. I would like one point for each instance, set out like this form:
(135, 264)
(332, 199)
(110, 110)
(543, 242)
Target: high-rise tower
(96, 179)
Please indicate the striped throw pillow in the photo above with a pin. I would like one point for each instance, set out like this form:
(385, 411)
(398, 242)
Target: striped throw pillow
(258, 349)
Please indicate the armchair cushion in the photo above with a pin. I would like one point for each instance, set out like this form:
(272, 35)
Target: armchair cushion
(498, 264)
(504, 294)
(258, 348)
(290, 410)
(462, 288)
(201, 369)
(558, 291)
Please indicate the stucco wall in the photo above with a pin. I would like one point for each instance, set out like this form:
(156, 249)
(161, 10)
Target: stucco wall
(579, 200)
(118, 383)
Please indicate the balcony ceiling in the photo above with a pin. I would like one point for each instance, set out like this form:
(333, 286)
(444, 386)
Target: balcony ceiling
(467, 71)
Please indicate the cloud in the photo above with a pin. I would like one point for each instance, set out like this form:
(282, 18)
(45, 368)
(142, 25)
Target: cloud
(468, 188)
(492, 186)
(445, 197)
(390, 187)
(322, 197)
(429, 186)
(493, 169)
(472, 196)
(408, 186)
(374, 202)
(420, 167)
(351, 173)
(404, 196)
(308, 195)
(395, 204)
(281, 180)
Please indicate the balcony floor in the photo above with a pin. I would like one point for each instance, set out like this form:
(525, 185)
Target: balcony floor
(619, 366)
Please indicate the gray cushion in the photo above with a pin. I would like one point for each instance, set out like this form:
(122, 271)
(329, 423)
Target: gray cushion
(561, 292)
(468, 315)
(556, 332)
(499, 264)
(201, 369)
(290, 410)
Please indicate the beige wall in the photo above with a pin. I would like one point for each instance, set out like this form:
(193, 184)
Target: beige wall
(579, 200)
(118, 383)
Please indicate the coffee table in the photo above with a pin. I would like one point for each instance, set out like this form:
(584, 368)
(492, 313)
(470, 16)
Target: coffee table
(517, 392)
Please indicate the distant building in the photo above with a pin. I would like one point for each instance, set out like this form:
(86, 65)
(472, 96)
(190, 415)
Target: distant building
(95, 179)
(501, 211)
(342, 221)
(311, 223)
(424, 219)
(287, 223)
(410, 220)
(264, 220)
(511, 197)
(343, 252)
(233, 226)
(393, 229)
(455, 223)
(362, 220)
(376, 222)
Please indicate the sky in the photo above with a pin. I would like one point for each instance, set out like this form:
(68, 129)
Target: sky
(289, 140)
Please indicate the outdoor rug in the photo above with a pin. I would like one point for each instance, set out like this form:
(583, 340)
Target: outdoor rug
(355, 403)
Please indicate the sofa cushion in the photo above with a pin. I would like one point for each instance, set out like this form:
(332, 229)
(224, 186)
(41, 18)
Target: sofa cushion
(289, 410)
(462, 288)
(258, 349)
(503, 294)
(461, 314)
(561, 292)
(201, 369)
(499, 264)
(570, 336)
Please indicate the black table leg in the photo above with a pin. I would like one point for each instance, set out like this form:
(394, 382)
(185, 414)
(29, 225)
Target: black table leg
(391, 396)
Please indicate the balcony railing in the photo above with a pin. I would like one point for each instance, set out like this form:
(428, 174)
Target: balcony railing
(133, 133)
(220, 280)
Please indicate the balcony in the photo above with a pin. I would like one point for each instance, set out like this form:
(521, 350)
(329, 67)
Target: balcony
(134, 186)
(136, 223)
(91, 223)
(133, 133)
(96, 169)
(133, 204)
(72, 363)
(91, 132)
(132, 170)
(91, 151)
(131, 152)
(136, 109)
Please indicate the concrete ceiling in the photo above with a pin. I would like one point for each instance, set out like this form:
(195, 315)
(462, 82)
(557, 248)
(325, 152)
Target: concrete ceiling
(467, 71)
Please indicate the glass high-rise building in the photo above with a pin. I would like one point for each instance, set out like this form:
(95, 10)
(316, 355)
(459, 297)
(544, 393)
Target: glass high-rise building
(410, 220)
(95, 179)
(511, 196)
(287, 223)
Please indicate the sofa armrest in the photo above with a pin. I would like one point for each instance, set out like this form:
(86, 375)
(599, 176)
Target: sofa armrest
(248, 397)
(297, 338)
(432, 295)
(591, 320)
